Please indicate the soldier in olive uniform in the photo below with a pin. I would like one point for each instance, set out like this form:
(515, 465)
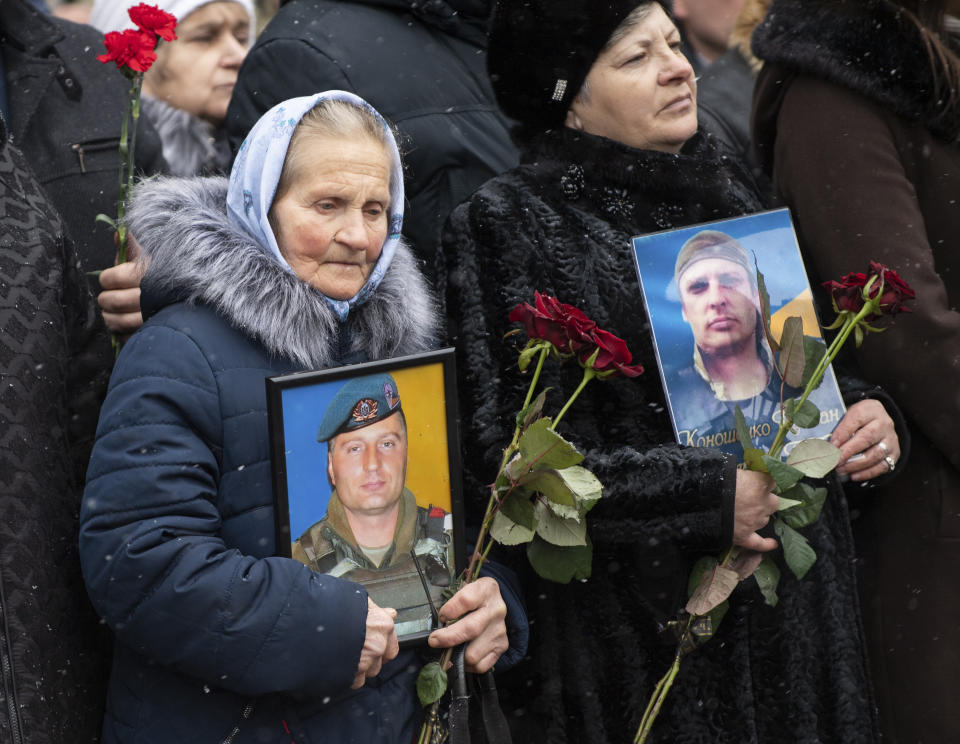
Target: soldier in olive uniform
(374, 532)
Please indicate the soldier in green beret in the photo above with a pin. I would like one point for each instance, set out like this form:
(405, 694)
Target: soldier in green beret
(374, 532)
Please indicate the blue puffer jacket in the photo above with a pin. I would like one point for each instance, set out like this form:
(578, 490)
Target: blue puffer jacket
(177, 526)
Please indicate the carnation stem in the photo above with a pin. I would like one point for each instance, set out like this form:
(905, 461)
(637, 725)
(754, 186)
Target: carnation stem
(588, 374)
(131, 154)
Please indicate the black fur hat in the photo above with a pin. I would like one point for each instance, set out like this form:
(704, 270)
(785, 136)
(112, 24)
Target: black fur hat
(540, 52)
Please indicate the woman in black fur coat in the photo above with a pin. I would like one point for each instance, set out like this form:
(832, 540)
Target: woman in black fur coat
(561, 223)
(861, 101)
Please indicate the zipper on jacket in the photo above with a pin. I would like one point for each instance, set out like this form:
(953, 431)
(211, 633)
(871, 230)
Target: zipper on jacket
(247, 710)
(81, 148)
(6, 672)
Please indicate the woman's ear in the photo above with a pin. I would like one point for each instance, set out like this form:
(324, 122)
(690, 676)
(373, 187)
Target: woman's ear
(573, 121)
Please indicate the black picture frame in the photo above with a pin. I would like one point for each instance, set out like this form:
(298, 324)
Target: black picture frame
(302, 473)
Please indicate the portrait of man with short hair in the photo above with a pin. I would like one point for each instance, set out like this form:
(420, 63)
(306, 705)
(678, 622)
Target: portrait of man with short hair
(366, 524)
(700, 286)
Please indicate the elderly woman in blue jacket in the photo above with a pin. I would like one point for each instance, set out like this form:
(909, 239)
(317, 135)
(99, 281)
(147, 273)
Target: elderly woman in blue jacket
(296, 263)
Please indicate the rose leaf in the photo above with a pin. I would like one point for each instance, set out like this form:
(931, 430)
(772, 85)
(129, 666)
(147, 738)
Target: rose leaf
(806, 416)
(792, 359)
(765, 309)
(518, 508)
(809, 508)
(797, 552)
(557, 530)
(814, 457)
(813, 351)
(714, 587)
(431, 683)
(532, 412)
(560, 564)
(784, 475)
(507, 532)
(542, 447)
(768, 577)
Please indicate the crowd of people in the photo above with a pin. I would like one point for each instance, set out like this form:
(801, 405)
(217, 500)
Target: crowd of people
(334, 182)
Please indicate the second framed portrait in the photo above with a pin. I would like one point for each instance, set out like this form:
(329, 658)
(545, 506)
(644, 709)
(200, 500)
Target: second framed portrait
(702, 290)
(367, 480)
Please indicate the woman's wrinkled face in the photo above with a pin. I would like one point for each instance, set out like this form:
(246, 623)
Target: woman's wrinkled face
(641, 91)
(331, 222)
(197, 72)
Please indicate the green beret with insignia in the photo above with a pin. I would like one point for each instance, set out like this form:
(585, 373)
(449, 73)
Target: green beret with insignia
(361, 402)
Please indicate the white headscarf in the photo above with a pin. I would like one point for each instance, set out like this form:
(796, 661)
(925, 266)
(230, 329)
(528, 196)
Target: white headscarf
(111, 15)
(256, 174)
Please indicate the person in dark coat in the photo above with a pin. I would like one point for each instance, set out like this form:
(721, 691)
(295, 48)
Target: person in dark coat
(53, 653)
(561, 223)
(187, 89)
(64, 110)
(296, 264)
(857, 113)
(420, 63)
(725, 93)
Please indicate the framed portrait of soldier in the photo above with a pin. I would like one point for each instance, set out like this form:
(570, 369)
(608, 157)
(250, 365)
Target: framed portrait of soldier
(703, 298)
(366, 476)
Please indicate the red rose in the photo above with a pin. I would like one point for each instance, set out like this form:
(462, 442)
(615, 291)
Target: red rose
(564, 326)
(613, 355)
(151, 19)
(895, 291)
(131, 49)
(848, 293)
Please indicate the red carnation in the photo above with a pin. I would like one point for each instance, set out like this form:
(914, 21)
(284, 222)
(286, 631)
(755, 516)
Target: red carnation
(131, 49)
(613, 355)
(151, 19)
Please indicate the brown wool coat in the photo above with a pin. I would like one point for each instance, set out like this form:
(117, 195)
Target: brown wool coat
(869, 181)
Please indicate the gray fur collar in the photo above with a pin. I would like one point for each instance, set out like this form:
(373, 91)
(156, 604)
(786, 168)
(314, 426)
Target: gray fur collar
(193, 254)
(191, 146)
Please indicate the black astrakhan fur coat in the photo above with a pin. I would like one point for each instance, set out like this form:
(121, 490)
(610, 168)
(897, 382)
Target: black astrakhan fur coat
(561, 223)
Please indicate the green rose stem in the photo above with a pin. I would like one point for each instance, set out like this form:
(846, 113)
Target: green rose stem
(483, 543)
(588, 374)
(850, 323)
(480, 552)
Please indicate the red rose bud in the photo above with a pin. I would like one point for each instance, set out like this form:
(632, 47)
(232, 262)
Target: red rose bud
(894, 291)
(131, 49)
(613, 356)
(150, 18)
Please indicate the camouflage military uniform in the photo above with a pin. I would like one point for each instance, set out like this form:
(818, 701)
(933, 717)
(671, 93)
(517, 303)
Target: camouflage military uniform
(329, 547)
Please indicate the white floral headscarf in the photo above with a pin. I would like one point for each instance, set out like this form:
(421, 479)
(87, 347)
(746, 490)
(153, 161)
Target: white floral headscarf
(256, 173)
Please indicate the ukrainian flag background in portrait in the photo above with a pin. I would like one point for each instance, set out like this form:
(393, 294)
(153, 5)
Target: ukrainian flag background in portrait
(423, 400)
